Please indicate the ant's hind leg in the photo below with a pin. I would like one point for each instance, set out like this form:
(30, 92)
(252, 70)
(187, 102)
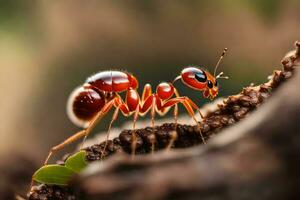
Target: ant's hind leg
(71, 139)
(82, 133)
(115, 116)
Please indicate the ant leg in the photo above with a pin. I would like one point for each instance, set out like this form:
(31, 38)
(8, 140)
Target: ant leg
(176, 114)
(115, 116)
(173, 133)
(149, 103)
(152, 124)
(195, 107)
(187, 104)
(148, 97)
(82, 133)
(147, 92)
(188, 107)
(191, 103)
(198, 109)
(71, 139)
(120, 105)
(134, 136)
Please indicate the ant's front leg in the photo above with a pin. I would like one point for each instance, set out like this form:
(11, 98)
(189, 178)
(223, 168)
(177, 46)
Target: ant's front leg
(189, 105)
(194, 105)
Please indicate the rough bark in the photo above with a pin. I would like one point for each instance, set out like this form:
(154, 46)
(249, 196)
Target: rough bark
(255, 159)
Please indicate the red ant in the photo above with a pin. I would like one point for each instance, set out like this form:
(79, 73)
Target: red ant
(90, 102)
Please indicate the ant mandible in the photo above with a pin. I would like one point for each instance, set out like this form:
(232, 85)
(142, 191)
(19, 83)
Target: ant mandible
(89, 103)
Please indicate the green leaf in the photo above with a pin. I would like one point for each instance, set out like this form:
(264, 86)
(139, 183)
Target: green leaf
(76, 162)
(53, 174)
(58, 174)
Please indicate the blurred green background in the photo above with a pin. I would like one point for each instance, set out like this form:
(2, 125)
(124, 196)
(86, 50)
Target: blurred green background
(47, 48)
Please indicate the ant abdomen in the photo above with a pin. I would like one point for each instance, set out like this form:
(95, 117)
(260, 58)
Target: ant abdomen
(83, 104)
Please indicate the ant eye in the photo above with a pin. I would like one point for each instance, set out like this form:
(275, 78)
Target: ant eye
(201, 77)
(209, 84)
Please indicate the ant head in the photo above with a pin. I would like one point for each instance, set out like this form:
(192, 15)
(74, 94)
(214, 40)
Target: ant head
(202, 80)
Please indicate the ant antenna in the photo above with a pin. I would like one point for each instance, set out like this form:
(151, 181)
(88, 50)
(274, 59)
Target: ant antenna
(219, 76)
(218, 63)
(176, 79)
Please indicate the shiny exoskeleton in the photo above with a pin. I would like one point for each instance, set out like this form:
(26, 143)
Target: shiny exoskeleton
(88, 103)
